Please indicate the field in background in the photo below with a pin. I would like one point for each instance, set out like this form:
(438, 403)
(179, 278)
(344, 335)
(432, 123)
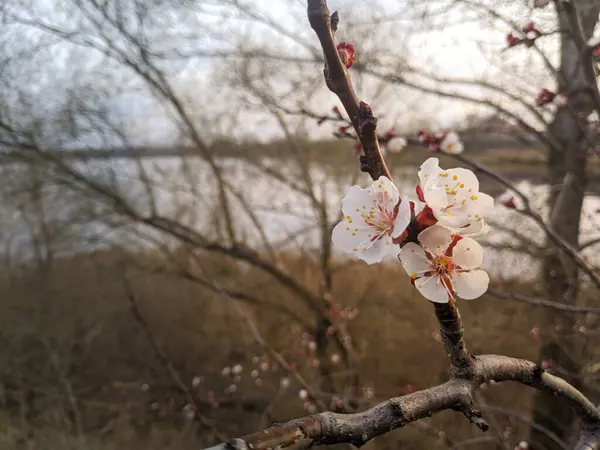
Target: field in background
(76, 312)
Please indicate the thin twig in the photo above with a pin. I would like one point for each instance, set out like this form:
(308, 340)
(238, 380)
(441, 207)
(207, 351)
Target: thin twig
(542, 302)
(164, 359)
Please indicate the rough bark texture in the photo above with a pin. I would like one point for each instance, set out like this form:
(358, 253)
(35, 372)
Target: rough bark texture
(567, 179)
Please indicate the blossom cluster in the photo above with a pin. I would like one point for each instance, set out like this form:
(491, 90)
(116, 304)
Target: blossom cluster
(447, 142)
(432, 235)
(527, 36)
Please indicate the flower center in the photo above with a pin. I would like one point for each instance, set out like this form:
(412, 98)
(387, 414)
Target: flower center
(442, 265)
(381, 219)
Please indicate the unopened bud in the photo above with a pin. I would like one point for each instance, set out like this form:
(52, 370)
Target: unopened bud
(513, 40)
(347, 53)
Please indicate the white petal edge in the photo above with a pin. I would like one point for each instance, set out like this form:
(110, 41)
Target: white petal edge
(344, 240)
(413, 259)
(476, 227)
(356, 198)
(432, 289)
(430, 168)
(481, 205)
(467, 253)
(402, 219)
(435, 239)
(470, 285)
(385, 185)
(377, 250)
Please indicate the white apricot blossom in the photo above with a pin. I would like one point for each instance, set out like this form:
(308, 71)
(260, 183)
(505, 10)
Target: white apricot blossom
(445, 265)
(452, 144)
(453, 196)
(373, 217)
(396, 144)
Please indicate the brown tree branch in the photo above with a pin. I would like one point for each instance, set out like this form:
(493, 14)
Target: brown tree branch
(586, 51)
(467, 372)
(338, 82)
(451, 330)
(164, 359)
(542, 302)
(457, 394)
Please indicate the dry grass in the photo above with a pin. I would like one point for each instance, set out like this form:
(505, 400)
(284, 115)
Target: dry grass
(79, 307)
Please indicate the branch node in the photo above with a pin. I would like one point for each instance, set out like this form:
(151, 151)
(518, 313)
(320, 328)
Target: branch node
(474, 416)
(334, 21)
(364, 164)
(368, 122)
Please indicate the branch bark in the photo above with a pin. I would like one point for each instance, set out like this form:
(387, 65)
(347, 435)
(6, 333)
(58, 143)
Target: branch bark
(329, 428)
(338, 82)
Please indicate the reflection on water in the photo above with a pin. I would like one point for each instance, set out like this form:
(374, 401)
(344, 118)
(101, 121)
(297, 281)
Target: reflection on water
(271, 206)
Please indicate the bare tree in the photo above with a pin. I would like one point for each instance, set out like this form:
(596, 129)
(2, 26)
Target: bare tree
(471, 370)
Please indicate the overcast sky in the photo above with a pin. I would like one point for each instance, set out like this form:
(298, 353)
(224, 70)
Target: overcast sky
(457, 43)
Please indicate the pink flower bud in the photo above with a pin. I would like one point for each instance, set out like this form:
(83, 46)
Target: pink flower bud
(530, 29)
(546, 364)
(513, 40)
(544, 97)
(535, 331)
(347, 53)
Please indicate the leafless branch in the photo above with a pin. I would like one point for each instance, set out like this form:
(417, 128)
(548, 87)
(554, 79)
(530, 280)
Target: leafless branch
(164, 359)
(543, 302)
(338, 81)
(456, 394)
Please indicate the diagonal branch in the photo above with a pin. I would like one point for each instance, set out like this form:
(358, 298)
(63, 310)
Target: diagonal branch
(543, 302)
(338, 82)
(456, 394)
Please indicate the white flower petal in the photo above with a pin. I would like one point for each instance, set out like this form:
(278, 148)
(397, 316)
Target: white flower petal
(396, 144)
(374, 252)
(384, 186)
(477, 227)
(470, 285)
(454, 148)
(467, 253)
(463, 181)
(347, 238)
(435, 194)
(402, 219)
(479, 204)
(356, 201)
(452, 217)
(414, 260)
(432, 289)
(430, 168)
(452, 144)
(451, 137)
(435, 239)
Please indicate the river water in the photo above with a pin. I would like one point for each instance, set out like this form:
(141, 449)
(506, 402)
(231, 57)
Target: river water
(184, 190)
